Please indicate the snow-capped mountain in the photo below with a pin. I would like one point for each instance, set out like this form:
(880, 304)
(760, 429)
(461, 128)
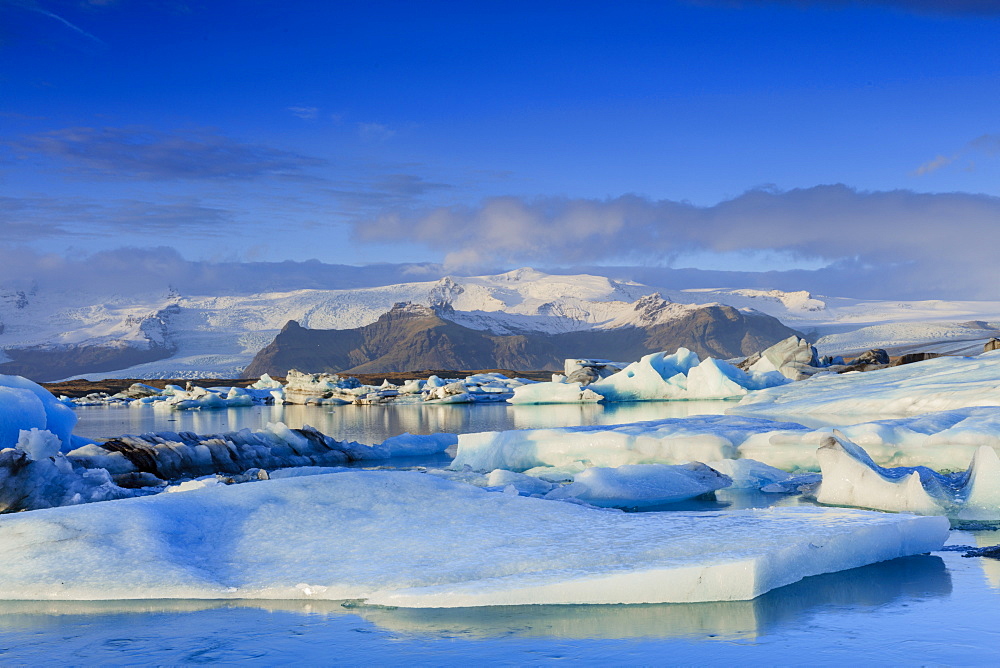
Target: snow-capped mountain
(171, 335)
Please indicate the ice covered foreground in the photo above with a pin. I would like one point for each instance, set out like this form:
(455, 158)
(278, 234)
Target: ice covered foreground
(939, 384)
(851, 478)
(451, 545)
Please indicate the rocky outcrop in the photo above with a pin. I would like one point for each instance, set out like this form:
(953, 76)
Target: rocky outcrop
(418, 337)
(992, 344)
(910, 358)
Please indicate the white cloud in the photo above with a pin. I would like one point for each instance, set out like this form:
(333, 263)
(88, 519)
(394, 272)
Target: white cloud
(935, 243)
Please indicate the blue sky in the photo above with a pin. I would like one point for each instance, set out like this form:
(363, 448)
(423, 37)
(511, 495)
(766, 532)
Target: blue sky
(782, 136)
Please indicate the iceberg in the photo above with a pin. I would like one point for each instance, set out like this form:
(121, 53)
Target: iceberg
(670, 441)
(641, 485)
(26, 405)
(554, 393)
(412, 540)
(663, 377)
(851, 478)
(939, 384)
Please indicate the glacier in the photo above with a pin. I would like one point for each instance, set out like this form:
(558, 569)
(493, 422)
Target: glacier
(452, 545)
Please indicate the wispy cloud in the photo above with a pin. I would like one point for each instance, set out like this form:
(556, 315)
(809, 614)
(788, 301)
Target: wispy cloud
(307, 113)
(37, 8)
(986, 144)
(146, 154)
(25, 219)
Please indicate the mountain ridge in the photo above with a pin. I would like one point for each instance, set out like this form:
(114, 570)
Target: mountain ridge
(412, 336)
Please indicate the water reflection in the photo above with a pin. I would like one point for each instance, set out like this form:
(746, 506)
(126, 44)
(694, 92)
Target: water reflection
(909, 578)
(373, 424)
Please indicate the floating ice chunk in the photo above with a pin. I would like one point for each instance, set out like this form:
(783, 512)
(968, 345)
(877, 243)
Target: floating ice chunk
(669, 441)
(522, 483)
(267, 383)
(38, 443)
(191, 485)
(27, 483)
(419, 541)
(554, 393)
(851, 478)
(662, 377)
(641, 485)
(414, 445)
(26, 405)
(654, 377)
(749, 473)
(940, 384)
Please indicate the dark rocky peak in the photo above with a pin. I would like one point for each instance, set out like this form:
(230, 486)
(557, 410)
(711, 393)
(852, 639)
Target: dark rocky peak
(409, 310)
(292, 326)
(650, 306)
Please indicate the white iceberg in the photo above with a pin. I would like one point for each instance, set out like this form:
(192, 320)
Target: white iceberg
(940, 384)
(412, 540)
(641, 485)
(670, 441)
(851, 478)
(554, 393)
(26, 405)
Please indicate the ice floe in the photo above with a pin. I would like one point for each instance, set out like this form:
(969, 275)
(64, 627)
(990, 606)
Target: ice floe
(412, 540)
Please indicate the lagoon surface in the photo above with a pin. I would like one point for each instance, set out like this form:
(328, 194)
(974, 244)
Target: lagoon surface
(928, 609)
(940, 608)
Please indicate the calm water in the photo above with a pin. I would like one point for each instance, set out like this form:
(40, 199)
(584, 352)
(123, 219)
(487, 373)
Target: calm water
(373, 424)
(939, 609)
(930, 609)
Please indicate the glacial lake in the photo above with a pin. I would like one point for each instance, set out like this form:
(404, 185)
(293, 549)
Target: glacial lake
(939, 608)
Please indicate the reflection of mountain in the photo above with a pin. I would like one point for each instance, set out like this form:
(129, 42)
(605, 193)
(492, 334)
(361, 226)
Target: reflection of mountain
(412, 337)
(919, 577)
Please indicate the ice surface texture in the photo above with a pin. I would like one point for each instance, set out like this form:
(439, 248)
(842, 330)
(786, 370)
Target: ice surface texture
(939, 384)
(413, 540)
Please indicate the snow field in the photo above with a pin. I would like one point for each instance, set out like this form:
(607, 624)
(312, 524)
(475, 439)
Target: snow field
(328, 536)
